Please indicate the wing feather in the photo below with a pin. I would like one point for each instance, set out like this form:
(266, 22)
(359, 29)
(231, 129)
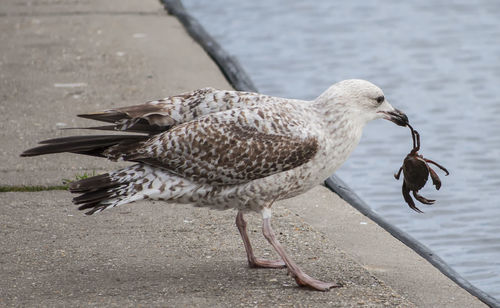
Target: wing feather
(227, 148)
(158, 116)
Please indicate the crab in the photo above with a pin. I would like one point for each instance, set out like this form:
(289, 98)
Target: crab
(416, 171)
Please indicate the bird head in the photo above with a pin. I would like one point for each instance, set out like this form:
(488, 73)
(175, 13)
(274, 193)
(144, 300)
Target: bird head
(362, 101)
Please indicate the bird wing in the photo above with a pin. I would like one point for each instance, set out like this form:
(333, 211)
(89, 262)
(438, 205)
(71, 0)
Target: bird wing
(230, 147)
(158, 116)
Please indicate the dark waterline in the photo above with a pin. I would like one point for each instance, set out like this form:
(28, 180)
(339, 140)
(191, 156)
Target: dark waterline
(438, 62)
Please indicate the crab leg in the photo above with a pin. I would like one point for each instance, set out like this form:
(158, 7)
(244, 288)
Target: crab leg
(422, 199)
(408, 199)
(441, 167)
(416, 139)
(397, 175)
(417, 136)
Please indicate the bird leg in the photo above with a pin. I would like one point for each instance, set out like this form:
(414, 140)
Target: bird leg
(300, 277)
(252, 260)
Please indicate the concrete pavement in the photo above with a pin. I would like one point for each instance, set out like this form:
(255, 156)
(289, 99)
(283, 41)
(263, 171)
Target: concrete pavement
(61, 58)
(152, 254)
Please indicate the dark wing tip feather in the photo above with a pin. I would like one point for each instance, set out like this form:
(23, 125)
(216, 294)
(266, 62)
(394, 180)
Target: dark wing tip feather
(139, 127)
(110, 116)
(92, 138)
(29, 153)
(89, 145)
(144, 123)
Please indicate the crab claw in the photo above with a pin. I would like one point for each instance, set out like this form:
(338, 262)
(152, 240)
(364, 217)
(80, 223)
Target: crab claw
(435, 178)
(408, 199)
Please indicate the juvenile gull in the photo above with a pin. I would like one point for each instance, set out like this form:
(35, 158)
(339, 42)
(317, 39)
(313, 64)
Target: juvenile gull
(226, 149)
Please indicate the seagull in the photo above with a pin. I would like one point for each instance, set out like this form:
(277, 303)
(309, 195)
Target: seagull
(226, 149)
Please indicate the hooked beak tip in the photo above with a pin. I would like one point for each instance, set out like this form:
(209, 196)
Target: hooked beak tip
(397, 117)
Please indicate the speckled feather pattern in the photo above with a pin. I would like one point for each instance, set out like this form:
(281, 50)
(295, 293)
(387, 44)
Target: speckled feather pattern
(226, 149)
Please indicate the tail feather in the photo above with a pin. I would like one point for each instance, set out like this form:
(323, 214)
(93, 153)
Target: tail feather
(123, 186)
(92, 184)
(93, 196)
(102, 191)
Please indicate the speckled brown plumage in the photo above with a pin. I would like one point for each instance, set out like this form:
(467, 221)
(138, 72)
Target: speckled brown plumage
(227, 149)
(217, 152)
(221, 148)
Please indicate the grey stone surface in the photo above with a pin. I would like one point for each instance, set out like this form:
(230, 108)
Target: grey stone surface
(118, 59)
(157, 254)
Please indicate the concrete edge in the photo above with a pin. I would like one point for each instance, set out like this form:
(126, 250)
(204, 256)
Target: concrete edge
(237, 76)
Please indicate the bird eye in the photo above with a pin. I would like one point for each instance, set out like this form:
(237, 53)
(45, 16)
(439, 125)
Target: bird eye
(380, 99)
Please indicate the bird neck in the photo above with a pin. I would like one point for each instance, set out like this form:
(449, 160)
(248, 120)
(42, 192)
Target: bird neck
(342, 128)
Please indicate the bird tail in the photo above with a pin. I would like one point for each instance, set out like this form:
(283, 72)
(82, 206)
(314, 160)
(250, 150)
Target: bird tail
(123, 186)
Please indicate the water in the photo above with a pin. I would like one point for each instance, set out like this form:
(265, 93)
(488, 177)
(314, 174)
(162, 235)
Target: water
(439, 61)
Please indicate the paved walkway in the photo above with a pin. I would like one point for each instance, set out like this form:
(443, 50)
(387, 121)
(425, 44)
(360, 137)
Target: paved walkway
(61, 58)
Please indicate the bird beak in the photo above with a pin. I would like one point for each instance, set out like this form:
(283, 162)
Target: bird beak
(396, 116)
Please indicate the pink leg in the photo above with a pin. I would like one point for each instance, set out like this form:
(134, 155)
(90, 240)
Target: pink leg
(300, 277)
(252, 260)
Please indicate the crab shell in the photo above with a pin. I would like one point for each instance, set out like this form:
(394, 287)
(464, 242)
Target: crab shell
(416, 172)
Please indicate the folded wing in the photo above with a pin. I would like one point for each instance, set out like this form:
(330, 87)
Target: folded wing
(225, 148)
(207, 136)
(158, 116)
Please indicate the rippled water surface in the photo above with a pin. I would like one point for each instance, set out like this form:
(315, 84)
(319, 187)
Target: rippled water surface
(439, 61)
